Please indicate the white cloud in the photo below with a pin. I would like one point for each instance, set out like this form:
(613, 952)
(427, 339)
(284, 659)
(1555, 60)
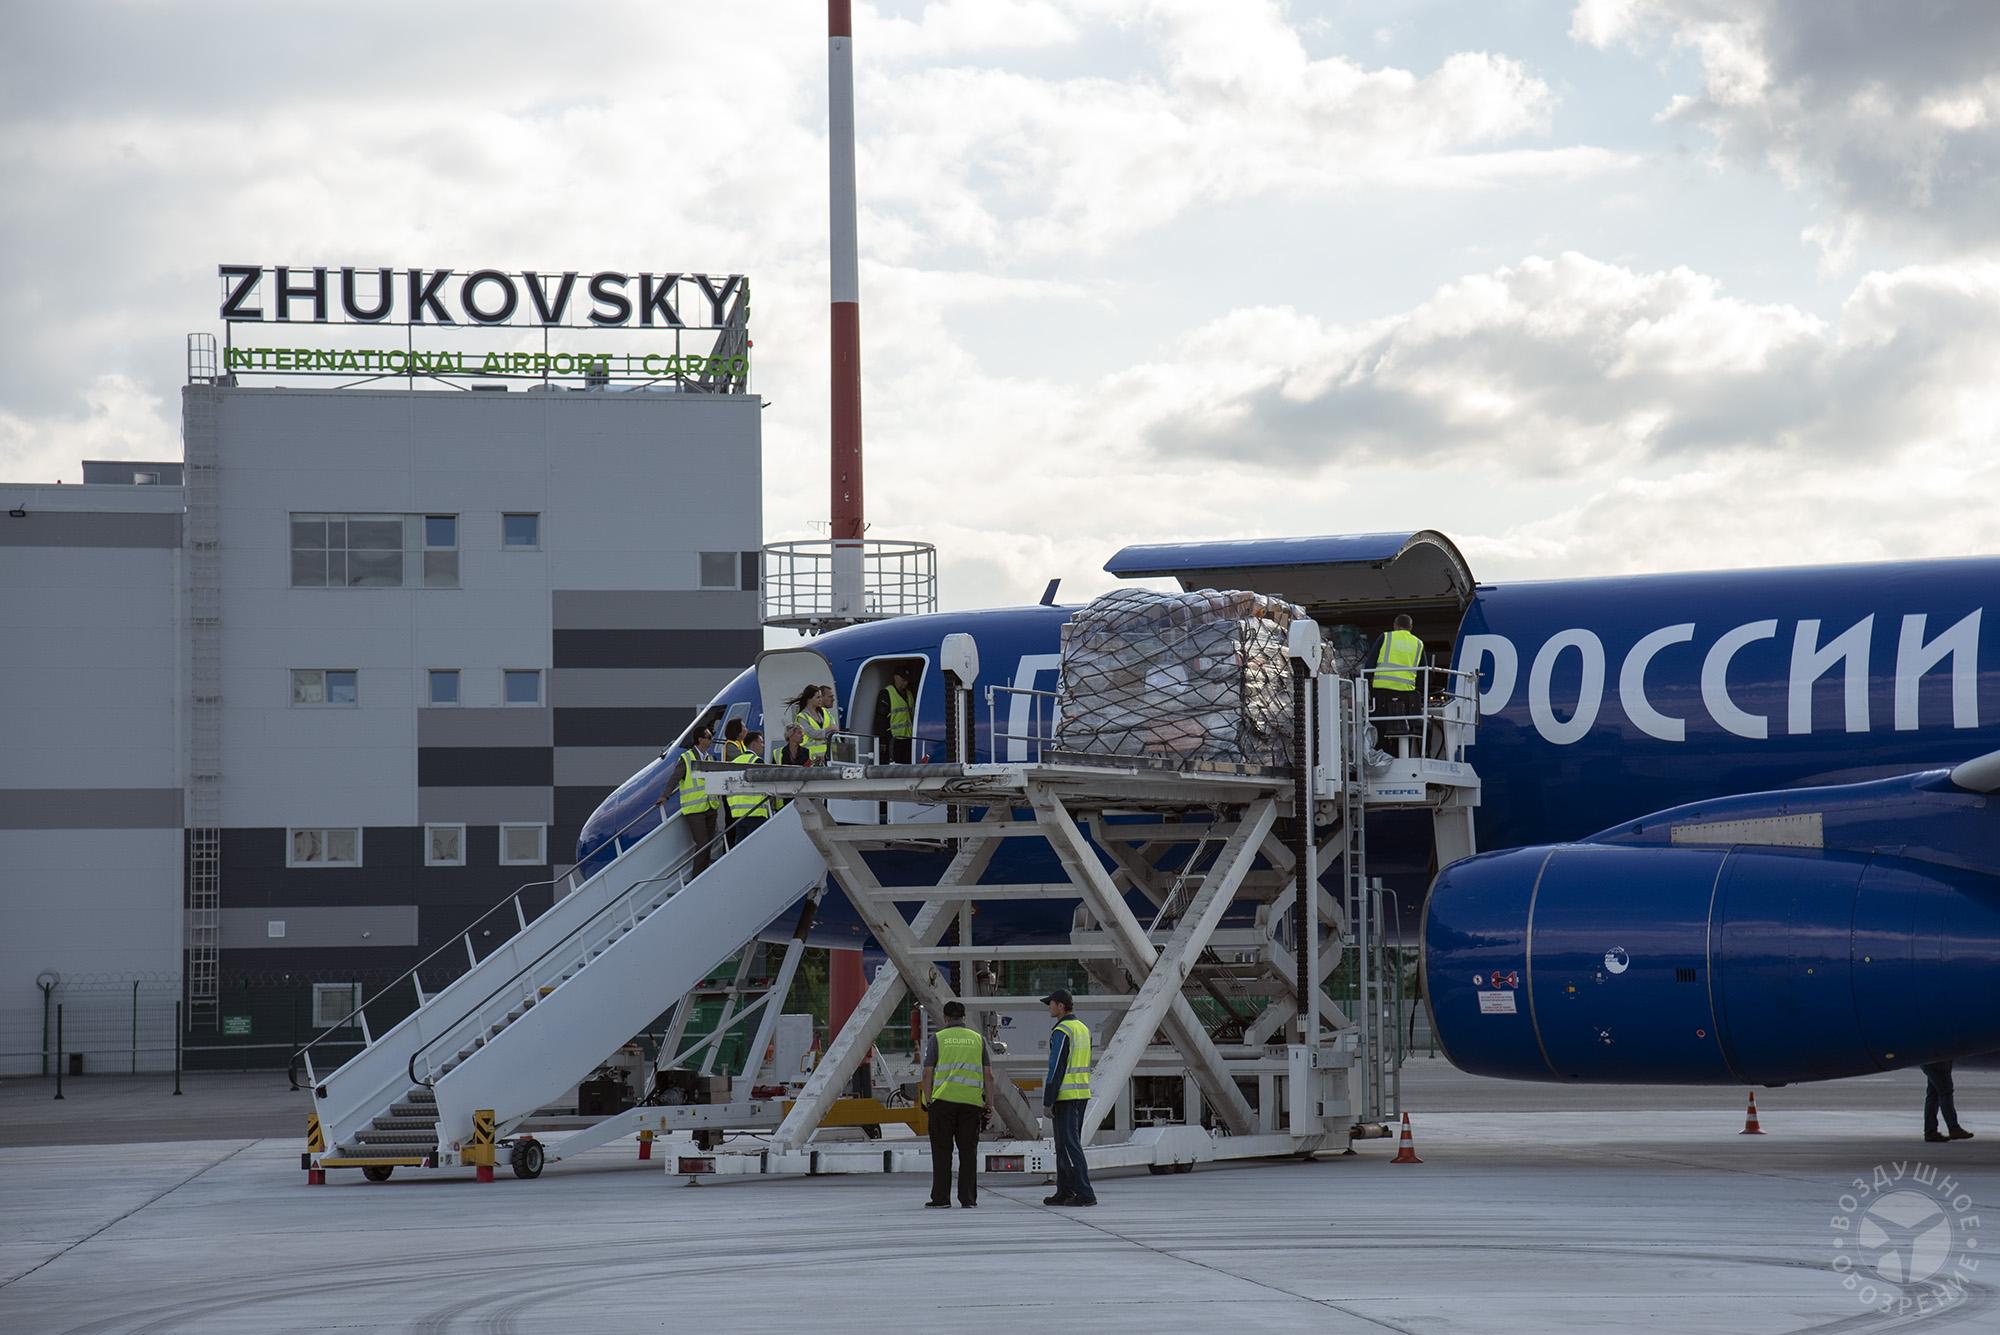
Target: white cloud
(1007, 164)
(1891, 111)
(118, 419)
(965, 27)
(1564, 416)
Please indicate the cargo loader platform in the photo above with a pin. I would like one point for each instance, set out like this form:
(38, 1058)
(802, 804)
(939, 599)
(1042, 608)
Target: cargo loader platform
(1267, 1067)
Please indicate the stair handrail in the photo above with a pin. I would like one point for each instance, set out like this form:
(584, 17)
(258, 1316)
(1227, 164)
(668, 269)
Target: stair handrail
(679, 867)
(514, 898)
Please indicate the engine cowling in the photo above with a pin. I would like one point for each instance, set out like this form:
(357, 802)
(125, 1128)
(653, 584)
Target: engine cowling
(1692, 965)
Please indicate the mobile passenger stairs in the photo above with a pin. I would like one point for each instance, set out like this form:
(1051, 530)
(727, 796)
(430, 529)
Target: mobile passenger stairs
(1190, 1068)
(474, 1066)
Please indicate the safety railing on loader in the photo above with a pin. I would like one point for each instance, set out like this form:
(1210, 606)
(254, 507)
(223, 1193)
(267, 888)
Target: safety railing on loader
(1020, 723)
(479, 929)
(1438, 715)
(580, 944)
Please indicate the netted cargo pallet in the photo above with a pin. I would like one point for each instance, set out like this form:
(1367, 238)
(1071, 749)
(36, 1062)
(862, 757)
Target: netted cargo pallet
(1183, 678)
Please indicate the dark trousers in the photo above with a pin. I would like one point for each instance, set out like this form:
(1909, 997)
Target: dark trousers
(742, 827)
(701, 829)
(1939, 1096)
(955, 1124)
(1072, 1170)
(1394, 705)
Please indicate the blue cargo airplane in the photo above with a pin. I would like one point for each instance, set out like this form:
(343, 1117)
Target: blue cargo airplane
(1738, 823)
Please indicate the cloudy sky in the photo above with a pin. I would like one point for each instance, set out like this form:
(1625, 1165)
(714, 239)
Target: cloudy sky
(1594, 287)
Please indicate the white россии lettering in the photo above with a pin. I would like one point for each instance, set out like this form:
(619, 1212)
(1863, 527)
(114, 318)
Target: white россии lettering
(1815, 653)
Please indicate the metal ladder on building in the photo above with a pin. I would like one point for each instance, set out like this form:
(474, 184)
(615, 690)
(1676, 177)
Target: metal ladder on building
(204, 777)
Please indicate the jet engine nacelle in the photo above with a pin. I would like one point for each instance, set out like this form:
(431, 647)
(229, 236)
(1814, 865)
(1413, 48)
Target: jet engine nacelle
(1709, 965)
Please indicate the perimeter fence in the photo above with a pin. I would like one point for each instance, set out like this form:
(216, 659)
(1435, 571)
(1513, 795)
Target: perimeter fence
(125, 1023)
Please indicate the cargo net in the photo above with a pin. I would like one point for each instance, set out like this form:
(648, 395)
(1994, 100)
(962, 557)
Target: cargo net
(1183, 678)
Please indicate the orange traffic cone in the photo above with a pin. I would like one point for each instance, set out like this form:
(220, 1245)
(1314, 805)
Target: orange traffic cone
(1750, 1127)
(1406, 1148)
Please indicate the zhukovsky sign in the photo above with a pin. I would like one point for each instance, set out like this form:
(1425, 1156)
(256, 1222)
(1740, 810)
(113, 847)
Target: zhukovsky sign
(604, 300)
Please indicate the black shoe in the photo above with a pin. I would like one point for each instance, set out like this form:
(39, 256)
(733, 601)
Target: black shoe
(1959, 1133)
(1935, 1138)
(937, 1205)
(968, 1205)
(1058, 1199)
(1080, 1204)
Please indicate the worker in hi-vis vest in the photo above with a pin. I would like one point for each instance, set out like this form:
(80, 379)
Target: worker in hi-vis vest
(747, 811)
(818, 719)
(697, 807)
(1066, 1093)
(1394, 698)
(957, 1086)
(902, 701)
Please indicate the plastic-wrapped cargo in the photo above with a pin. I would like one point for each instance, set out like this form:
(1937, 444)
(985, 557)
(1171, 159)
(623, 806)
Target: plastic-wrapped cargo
(1179, 677)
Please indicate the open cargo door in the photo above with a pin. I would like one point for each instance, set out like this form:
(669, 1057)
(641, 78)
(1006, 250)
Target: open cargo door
(1335, 578)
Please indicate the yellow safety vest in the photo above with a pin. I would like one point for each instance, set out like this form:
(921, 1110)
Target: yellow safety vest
(902, 714)
(808, 719)
(748, 804)
(1076, 1074)
(1395, 666)
(693, 788)
(961, 1054)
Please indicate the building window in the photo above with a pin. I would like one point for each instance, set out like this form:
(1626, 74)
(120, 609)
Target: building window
(444, 686)
(356, 551)
(440, 534)
(444, 845)
(520, 530)
(718, 570)
(335, 847)
(334, 1005)
(523, 845)
(145, 479)
(521, 686)
(325, 686)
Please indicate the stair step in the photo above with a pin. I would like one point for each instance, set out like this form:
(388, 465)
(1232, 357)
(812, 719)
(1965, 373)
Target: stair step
(374, 1137)
(390, 1122)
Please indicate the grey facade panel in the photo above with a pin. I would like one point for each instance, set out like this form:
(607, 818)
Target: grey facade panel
(89, 528)
(624, 688)
(622, 609)
(656, 728)
(486, 805)
(500, 726)
(90, 808)
(576, 803)
(254, 874)
(120, 472)
(306, 928)
(600, 766)
(676, 648)
(484, 766)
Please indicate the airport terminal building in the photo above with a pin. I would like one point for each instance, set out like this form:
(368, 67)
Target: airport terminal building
(285, 715)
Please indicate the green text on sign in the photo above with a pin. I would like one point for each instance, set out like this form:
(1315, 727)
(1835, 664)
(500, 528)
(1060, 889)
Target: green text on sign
(236, 1026)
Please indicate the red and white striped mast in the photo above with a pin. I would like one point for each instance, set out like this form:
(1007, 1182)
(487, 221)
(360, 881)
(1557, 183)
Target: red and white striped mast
(848, 525)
